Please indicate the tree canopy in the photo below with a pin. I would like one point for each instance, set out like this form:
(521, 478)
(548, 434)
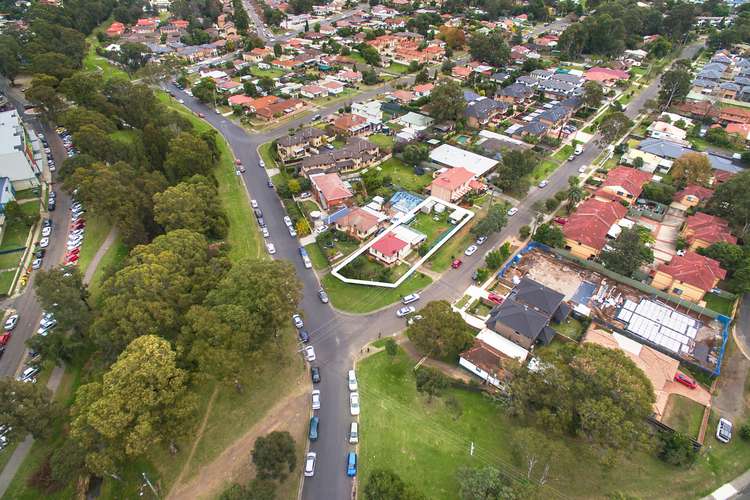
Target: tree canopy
(442, 333)
(447, 101)
(193, 204)
(628, 252)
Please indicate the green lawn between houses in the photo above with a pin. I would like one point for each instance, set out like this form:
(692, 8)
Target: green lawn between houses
(362, 299)
(425, 445)
(403, 175)
(719, 304)
(684, 415)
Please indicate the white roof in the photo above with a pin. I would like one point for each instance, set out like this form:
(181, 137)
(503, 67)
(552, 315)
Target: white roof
(502, 344)
(405, 233)
(452, 156)
(16, 167)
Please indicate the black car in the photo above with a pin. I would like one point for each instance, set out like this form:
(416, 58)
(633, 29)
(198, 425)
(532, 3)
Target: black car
(47, 223)
(304, 336)
(269, 184)
(258, 213)
(40, 253)
(51, 204)
(315, 374)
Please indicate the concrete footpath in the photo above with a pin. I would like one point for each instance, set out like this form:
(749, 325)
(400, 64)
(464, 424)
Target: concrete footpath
(732, 489)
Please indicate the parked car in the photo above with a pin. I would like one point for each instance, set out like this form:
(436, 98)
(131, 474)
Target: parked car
(582, 169)
(471, 250)
(560, 220)
(271, 248)
(354, 433)
(315, 374)
(354, 403)
(310, 464)
(254, 203)
(309, 353)
(313, 433)
(11, 322)
(685, 380)
(544, 183)
(264, 231)
(413, 319)
(495, 298)
(352, 381)
(480, 240)
(29, 374)
(44, 243)
(405, 311)
(456, 263)
(351, 464)
(303, 336)
(412, 297)
(5, 337)
(323, 296)
(513, 211)
(297, 320)
(36, 264)
(578, 150)
(724, 430)
(316, 399)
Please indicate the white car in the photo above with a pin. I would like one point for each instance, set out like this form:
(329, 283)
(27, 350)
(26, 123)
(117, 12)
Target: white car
(264, 231)
(543, 183)
(352, 380)
(46, 231)
(271, 248)
(354, 403)
(480, 240)
(414, 319)
(297, 319)
(582, 169)
(405, 311)
(11, 322)
(310, 464)
(181, 101)
(513, 211)
(471, 250)
(316, 399)
(412, 297)
(310, 353)
(262, 163)
(354, 433)
(44, 243)
(287, 221)
(724, 430)
(579, 149)
(254, 203)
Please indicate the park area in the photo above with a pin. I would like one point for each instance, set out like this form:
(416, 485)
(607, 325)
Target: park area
(427, 442)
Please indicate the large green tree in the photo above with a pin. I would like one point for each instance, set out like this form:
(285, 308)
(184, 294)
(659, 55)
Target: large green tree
(731, 201)
(447, 101)
(383, 484)
(442, 333)
(628, 252)
(26, 408)
(613, 127)
(490, 48)
(493, 222)
(193, 204)
(675, 85)
(142, 401)
(274, 455)
(188, 155)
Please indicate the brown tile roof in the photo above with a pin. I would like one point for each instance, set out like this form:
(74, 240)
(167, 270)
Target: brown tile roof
(591, 221)
(708, 228)
(694, 269)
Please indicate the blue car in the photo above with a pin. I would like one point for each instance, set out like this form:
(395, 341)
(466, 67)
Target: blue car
(314, 428)
(351, 467)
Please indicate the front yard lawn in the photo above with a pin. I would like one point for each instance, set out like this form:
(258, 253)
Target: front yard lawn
(403, 175)
(398, 68)
(266, 155)
(719, 304)
(543, 170)
(426, 443)
(363, 299)
(684, 415)
(319, 260)
(381, 140)
(563, 154)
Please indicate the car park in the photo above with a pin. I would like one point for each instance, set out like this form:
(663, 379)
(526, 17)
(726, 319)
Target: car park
(271, 248)
(351, 464)
(456, 263)
(480, 240)
(685, 380)
(11, 322)
(405, 311)
(724, 430)
(315, 374)
(297, 320)
(354, 433)
(471, 250)
(408, 299)
(303, 336)
(513, 211)
(351, 380)
(310, 464)
(354, 403)
(313, 433)
(310, 353)
(316, 399)
(323, 296)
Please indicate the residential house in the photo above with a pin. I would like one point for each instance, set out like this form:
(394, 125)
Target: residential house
(229, 87)
(734, 115)
(525, 314)
(586, 230)
(241, 100)
(330, 190)
(313, 91)
(461, 72)
(16, 160)
(423, 90)
(390, 249)
(146, 25)
(297, 146)
(257, 55)
(482, 111)
(415, 121)
(115, 30)
(347, 76)
(359, 223)
(664, 130)
(623, 183)
(356, 154)
(605, 76)
(402, 96)
(348, 124)
(515, 94)
(702, 230)
(693, 195)
(485, 361)
(369, 110)
(280, 108)
(672, 150)
(452, 185)
(333, 87)
(689, 276)
(555, 117)
(740, 129)
(534, 129)
(450, 156)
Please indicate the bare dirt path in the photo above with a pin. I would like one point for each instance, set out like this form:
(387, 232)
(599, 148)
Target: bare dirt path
(234, 464)
(198, 436)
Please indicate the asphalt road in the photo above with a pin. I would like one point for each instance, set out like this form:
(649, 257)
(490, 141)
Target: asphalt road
(25, 304)
(336, 336)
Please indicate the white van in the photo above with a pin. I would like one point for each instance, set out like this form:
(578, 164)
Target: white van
(579, 149)
(354, 433)
(352, 381)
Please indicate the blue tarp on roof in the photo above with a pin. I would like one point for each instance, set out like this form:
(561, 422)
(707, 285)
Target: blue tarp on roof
(404, 201)
(336, 215)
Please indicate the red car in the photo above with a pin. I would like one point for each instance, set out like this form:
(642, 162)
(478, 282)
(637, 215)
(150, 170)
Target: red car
(493, 297)
(456, 264)
(5, 337)
(237, 162)
(560, 220)
(73, 259)
(685, 380)
(201, 115)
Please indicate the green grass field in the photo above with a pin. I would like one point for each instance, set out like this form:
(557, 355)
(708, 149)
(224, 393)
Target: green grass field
(425, 444)
(94, 62)
(381, 140)
(397, 68)
(10, 260)
(266, 155)
(319, 260)
(363, 299)
(403, 175)
(270, 73)
(111, 259)
(719, 304)
(6, 279)
(684, 415)
(97, 229)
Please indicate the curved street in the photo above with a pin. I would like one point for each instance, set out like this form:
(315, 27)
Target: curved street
(336, 336)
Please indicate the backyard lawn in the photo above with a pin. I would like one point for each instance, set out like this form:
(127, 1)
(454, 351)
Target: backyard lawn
(381, 140)
(398, 68)
(570, 328)
(427, 225)
(270, 73)
(719, 304)
(426, 443)
(403, 175)
(684, 415)
(363, 299)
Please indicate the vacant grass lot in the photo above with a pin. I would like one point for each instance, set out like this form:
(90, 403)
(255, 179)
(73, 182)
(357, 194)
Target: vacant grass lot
(397, 68)
(426, 445)
(403, 175)
(270, 73)
(363, 299)
(684, 415)
(381, 140)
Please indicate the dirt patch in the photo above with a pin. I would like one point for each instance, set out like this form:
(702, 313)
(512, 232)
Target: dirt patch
(234, 464)
(729, 396)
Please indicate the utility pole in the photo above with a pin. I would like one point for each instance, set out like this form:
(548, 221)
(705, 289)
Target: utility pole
(148, 483)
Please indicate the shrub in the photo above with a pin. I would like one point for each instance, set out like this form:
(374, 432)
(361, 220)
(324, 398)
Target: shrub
(551, 204)
(745, 431)
(391, 347)
(524, 232)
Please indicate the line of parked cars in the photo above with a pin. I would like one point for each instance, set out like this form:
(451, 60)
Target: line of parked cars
(75, 233)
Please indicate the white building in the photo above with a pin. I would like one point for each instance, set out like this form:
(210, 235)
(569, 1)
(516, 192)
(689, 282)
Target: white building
(15, 154)
(369, 110)
(451, 156)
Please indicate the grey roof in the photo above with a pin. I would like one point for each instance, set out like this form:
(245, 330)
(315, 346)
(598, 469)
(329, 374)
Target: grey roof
(743, 63)
(301, 137)
(554, 114)
(572, 102)
(534, 128)
(536, 295)
(541, 73)
(742, 80)
(709, 74)
(500, 76)
(527, 80)
(483, 108)
(714, 66)
(566, 77)
(730, 86)
(557, 86)
(706, 84)
(721, 58)
(672, 150)
(516, 90)
(519, 318)
(355, 147)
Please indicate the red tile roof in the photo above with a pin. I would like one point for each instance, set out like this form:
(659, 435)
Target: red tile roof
(240, 100)
(599, 74)
(591, 221)
(348, 121)
(693, 269)
(358, 218)
(331, 187)
(722, 176)
(453, 179)
(708, 228)
(631, 179)
(402, 95)
(461, 71)
(425, 87)
(389, 245)
(700, 192)
(738, 115)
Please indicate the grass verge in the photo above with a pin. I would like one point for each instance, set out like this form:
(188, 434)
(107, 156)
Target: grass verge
(319, 260)
(97, 229)
(363, 299)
